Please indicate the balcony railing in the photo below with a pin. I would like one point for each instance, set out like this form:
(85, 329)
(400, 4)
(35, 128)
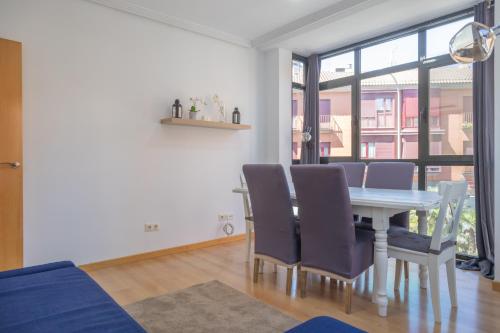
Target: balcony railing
(328, 123)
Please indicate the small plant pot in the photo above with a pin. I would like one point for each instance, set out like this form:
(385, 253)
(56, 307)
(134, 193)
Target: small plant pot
(193, 115)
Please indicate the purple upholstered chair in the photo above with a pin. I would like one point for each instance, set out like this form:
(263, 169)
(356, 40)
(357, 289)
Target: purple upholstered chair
(330, 245)
(354, 172)
(393, 176)
(276, 231)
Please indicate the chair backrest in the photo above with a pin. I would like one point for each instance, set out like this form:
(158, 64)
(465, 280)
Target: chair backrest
(326, 224)
(390, 175)
(274, 223)
(354, 172)
(246, 201)
(453, 197)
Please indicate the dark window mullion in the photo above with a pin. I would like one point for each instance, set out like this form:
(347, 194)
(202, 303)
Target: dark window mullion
(389, 70)
(356, 107)
(298, 86)
(423, 107)
(346, 81)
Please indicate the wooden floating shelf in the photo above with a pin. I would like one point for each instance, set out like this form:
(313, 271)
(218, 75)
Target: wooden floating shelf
(204, 123)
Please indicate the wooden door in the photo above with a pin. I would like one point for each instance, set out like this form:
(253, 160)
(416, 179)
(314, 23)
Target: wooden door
(11, 171)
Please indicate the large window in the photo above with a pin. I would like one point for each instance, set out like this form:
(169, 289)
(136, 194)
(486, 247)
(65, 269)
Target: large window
(335, 121)
(389, 116)
(298, 84)
(450, 106)
(337, 67)
(394, 52)
(401, 97)
(297, 122)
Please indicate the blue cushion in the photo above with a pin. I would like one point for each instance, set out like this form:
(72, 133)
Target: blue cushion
(58, 297)
(324, 325)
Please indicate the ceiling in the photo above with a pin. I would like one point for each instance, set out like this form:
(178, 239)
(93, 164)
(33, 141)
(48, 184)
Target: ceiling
(305, 26)
(248, 19)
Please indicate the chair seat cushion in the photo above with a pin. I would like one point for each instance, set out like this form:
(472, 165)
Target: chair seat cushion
(399, 237)
(324, 325)
(368, 226)
(363, 225)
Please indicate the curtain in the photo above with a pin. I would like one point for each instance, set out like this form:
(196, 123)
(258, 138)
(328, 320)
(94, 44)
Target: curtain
(483, 98)
(310, 150)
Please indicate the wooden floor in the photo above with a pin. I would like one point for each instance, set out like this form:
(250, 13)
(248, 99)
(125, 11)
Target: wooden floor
(410, 309)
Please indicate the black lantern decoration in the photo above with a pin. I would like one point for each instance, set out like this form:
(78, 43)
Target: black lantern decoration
(236, 116)
(177, 109)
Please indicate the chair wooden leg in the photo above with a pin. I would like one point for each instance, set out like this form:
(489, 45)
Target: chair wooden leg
(397, 274)
(248, 239)
(348, 297)
(323, 280)
(289, 275)
(407, 270)
(333, 283)
(303, 283)
(452, 281)
(256, 266)
(434, 282)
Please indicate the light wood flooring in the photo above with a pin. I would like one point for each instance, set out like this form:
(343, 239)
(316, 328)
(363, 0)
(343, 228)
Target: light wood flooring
(410, 309)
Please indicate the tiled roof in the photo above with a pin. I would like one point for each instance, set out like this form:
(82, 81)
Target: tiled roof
(438, 76)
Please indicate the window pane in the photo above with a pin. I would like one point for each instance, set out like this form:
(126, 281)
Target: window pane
(395, 52)
(466, 239)
(297, 122)
(298, 72)
(439, 37)
(450, 113)
(337, 67)
(335, 122)
(389, 116)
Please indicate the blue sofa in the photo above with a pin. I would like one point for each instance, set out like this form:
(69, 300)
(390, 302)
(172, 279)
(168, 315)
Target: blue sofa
(59, 297)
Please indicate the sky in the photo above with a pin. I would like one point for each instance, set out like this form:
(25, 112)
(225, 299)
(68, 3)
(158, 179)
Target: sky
(399, 51)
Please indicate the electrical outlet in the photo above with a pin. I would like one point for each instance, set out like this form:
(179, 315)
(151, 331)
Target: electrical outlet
(151, 227)
(225, 217)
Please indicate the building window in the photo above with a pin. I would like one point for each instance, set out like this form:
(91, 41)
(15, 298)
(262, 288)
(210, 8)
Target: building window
(324, 149)
(411, 122)
(368, 150)
(324, 113)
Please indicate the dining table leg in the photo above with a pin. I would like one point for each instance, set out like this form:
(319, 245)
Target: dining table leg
(422, 230)
(381, 224)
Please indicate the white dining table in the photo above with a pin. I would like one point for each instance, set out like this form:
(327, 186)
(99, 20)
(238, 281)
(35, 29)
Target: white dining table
(380, 205)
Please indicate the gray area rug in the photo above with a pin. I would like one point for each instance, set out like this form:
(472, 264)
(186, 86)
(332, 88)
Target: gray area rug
(208, 307)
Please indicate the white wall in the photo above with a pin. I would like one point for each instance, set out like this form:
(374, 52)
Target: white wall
(278, 95)
(497, 152)
(97, 163)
